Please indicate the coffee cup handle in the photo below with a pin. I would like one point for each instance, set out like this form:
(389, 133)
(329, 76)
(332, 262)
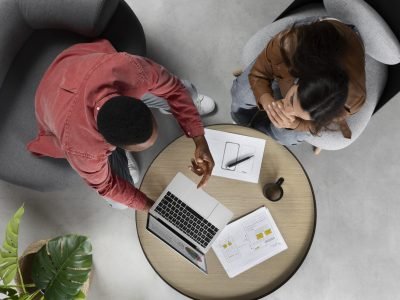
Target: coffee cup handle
(280, 181)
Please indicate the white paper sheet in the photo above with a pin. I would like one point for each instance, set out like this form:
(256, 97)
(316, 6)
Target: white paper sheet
(248, 241)
(229, 147)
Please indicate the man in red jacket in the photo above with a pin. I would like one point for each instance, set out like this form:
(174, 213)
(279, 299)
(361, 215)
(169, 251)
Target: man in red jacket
(92, 108)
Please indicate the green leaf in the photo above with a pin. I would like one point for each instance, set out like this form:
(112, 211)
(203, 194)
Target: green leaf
(9, 251)
(29, 296)
(8, 291)
(62, 266)
(80, 296)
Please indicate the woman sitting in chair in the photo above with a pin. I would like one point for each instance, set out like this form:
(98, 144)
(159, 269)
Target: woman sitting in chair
(307, 79)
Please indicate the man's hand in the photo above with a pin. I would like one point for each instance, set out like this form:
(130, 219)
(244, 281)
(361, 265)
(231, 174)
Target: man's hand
(203, 163)
(149, 204)
(281, 117)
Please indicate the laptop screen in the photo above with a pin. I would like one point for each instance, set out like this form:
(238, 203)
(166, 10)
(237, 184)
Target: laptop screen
(172, 238)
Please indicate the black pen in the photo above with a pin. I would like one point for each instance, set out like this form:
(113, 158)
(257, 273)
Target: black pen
(232, 164)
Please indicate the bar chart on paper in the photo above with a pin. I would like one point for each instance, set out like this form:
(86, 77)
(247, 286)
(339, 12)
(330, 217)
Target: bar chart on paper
(236, 156)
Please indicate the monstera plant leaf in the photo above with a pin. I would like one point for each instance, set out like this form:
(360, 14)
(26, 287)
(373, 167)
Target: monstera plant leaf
(9, 251)
(28, 296)
(9, 292)
(80, 296)
(62, 266)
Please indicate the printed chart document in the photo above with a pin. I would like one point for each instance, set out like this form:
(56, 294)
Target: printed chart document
(248, 241)
(227, 148)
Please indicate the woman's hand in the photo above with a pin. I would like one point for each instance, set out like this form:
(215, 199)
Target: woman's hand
(203, 163)
(265, 100)
(280, 116)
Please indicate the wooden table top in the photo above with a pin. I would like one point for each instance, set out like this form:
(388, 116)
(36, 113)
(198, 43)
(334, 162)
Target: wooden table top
(294, 214)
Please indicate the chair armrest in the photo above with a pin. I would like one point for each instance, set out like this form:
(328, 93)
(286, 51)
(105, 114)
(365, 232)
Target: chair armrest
(260, 39)
(376, 76)
(125, 32)
(13, 34)
(85, 17)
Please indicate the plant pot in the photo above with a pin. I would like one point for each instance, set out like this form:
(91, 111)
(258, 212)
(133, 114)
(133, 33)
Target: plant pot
(25, 264)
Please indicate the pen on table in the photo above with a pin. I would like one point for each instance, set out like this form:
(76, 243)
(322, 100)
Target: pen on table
(232, 164)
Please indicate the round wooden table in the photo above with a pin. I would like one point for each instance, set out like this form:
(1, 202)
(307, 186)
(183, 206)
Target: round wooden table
(294, 214)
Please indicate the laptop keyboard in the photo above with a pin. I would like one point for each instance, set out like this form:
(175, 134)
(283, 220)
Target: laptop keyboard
(186, 219)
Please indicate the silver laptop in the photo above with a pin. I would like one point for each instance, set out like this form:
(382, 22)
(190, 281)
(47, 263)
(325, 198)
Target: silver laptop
(188, 219)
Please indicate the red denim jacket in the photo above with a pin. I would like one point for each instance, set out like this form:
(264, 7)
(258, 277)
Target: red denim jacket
(79, 81)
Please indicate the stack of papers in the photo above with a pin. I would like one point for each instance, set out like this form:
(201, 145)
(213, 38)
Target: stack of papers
(248, 241)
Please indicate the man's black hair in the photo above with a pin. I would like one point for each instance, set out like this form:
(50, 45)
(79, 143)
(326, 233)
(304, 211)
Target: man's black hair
(125, 121)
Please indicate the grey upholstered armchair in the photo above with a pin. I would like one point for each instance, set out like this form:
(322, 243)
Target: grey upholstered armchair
(375, 33)
(32, 34)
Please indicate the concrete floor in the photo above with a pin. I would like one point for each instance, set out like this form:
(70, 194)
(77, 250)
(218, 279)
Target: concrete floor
(355, 250)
